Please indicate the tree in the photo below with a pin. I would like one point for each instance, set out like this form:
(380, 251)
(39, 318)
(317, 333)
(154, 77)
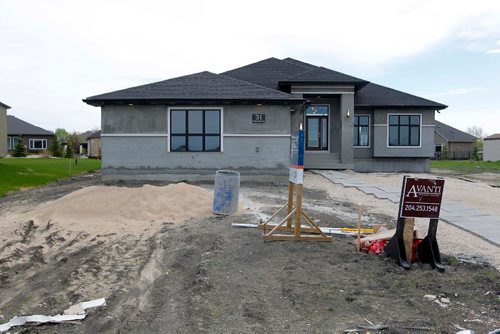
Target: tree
(476, 131)
(74, 140)
(68, 154)
(61, 135)
(55, 148)
(19, 149)
(475, 154)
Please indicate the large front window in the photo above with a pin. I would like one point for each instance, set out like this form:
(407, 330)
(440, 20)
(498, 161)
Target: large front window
(38, 144)
(361, 130)
(195, 130)
(404, 130)
(317, 127)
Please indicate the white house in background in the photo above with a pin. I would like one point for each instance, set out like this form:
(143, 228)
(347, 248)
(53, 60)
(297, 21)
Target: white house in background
(491, 148)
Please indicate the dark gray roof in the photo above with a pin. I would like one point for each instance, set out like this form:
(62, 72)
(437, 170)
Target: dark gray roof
(492, 137)
(16, 126)
(272, 72)
(96, 134)
(201, 87)
(268, 72)
(373, 96)
(453, 135)
(4, 105)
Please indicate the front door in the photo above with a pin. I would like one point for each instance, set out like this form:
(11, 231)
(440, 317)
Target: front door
(317, 127)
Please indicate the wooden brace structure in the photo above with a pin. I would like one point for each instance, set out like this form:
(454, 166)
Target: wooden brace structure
(293, 221)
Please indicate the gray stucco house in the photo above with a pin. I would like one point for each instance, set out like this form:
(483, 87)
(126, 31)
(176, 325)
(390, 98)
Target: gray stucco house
(190, 126)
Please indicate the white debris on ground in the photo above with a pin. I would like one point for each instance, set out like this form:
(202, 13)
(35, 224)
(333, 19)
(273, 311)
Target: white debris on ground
(68, 315)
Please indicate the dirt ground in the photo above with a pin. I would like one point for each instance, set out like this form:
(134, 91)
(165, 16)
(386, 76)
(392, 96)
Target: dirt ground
(202, 275)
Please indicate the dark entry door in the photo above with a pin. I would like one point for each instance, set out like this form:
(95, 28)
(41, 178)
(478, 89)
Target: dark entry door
(317, 133)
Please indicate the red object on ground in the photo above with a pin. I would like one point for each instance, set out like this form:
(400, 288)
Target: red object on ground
(378, 246)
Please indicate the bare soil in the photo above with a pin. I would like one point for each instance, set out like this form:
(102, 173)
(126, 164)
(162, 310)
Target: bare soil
(203, 275)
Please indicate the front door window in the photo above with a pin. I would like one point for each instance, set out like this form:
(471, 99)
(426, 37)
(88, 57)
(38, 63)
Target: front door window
(317, 127)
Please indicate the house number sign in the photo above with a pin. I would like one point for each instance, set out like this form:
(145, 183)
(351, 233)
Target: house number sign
(258, 118)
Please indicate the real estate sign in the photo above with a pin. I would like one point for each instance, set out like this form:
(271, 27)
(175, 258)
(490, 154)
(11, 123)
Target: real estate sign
(297, 157)
(421, 198)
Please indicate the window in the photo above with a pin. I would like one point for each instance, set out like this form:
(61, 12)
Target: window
(12, 142)
(439, 148)
(361, 130)
(317, 127)
(404, 130)
(38, 144)
(195, 130)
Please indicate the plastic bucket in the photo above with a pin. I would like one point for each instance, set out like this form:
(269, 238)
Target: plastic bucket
(226, 192)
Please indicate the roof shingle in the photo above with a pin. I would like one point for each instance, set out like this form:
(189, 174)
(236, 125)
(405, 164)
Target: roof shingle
(4, 105)
(373, 96)
(205, 86)
(492, 137)
(16, 126)
(453, 135)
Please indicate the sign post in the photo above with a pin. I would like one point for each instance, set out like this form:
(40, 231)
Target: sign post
(420, 198)
(295, 213)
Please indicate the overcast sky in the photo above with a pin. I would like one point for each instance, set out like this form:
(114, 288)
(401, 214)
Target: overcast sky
(55, 53)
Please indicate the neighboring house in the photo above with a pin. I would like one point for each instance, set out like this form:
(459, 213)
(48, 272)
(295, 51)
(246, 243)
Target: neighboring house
(491, 148)
(190, 126)
(35, 139)
(3, 129)
(94, 145)
(451, 143)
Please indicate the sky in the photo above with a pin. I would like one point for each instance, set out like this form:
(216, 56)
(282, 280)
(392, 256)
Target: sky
(54, 53)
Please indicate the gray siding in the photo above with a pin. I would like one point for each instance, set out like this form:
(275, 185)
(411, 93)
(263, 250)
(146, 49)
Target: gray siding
(380, 133)
(392, 165)
(134, 119)
(135, 145)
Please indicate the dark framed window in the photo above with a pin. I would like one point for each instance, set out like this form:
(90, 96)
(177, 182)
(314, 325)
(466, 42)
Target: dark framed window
(404, 130)
(361, 130)
(317, 127)
(195, 130)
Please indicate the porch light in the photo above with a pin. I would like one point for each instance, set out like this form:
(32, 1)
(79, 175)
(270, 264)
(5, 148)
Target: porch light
(348, 113)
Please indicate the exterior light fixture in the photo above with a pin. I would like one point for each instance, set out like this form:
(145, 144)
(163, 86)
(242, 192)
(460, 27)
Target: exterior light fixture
(348, 113)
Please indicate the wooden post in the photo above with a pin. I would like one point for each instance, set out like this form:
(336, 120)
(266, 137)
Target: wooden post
(290, 203)
(298, 212)
(408, 237)
(358, 245)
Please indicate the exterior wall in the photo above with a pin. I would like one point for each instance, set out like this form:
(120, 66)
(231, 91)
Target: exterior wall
(381, 148)
(135, 144)
(3, 132)
(491, 150)
(392, 165)
(365, 152)
(94, 147)
(379, 157)
(26, 141)
(341, 100)
(460, 151)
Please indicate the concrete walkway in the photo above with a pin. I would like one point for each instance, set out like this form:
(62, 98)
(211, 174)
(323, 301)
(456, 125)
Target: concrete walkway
(478, 222)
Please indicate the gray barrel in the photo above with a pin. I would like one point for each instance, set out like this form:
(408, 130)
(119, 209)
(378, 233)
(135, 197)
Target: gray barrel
(226, 192)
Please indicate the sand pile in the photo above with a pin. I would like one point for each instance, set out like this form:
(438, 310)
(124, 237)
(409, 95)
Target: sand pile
(102, 209)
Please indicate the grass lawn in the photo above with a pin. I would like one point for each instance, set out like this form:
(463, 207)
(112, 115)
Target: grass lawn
(23, 173)
(467, 166)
